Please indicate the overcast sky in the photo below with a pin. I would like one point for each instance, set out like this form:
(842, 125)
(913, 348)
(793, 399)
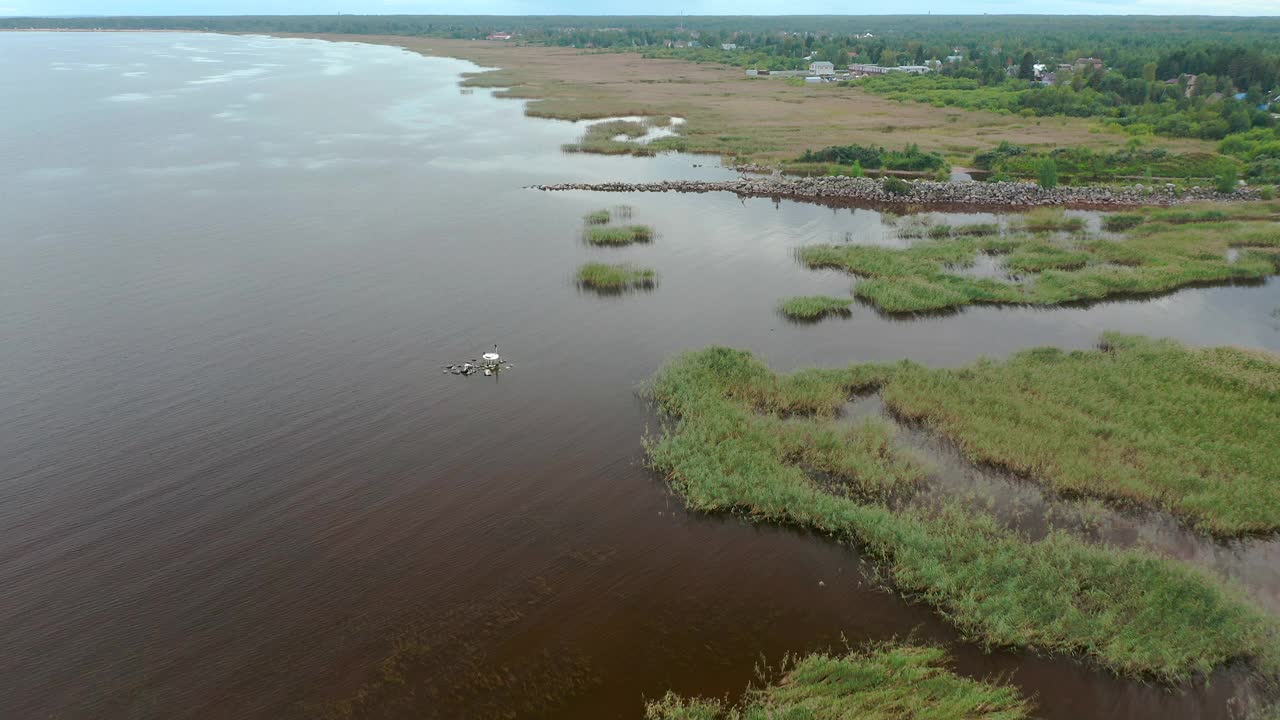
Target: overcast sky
(631, 7)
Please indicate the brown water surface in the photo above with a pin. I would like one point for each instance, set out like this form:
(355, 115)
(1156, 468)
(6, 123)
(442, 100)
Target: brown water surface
(233, 478)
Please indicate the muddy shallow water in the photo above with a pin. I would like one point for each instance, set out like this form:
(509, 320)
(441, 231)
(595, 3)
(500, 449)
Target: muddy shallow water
(233, 478)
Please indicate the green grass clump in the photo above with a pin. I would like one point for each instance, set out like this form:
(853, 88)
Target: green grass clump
(812, 307)
(1034, 257)
(1152, 258)
(1120, 222)
(977, 230)
(1130, 611)
(603, 276)
(1143, 422)
(617, 236)
(883, 682)
(599, 217)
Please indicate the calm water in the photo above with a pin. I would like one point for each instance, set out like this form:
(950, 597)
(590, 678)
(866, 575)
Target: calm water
(233, 478)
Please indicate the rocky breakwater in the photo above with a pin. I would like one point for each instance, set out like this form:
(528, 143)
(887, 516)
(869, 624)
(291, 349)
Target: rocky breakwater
(924, 192)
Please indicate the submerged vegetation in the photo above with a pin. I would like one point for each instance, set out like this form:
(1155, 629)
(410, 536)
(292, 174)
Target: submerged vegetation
(883, 682)
(619, 235)
(1161, 251)
(1137, 614)
(615, 278)
(812, 307)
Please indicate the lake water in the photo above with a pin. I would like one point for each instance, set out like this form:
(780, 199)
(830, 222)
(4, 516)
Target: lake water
(234, 480)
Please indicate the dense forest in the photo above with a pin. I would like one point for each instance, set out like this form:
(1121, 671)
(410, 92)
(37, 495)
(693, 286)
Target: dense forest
(1214, 78)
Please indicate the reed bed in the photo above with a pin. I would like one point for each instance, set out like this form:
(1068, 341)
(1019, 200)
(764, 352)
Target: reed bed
(1130, 611)
(882, 682)
(1140, 422)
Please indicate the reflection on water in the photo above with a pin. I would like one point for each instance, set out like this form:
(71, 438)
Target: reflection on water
(233, 477)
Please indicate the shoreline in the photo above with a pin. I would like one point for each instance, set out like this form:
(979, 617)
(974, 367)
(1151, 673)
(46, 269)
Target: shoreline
(959, 195)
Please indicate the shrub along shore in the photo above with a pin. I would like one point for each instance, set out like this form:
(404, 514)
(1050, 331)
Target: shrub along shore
(746, 440)
(925, 192)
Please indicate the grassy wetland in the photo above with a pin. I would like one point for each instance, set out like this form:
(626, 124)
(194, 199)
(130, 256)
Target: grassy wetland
(1050, 259)
(731, 447)
(882, 682)
(751, 119)
(1141, 422)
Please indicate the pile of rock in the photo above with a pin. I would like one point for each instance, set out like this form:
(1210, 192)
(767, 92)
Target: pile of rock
(925, 192)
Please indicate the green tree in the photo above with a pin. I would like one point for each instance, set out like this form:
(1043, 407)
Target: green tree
(1026, 69)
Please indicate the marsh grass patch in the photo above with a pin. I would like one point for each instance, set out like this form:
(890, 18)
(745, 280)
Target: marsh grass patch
(615, 278)
(814, 307)
(727, 449)
(879, 682)
(1150, 258)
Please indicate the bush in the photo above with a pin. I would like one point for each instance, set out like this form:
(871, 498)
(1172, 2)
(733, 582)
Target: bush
(1047, 174)
(895, 186)
(1226, 180)
(910, 157)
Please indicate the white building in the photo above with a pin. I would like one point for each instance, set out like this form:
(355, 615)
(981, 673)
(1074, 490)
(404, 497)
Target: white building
(822, 68)
(728, 46)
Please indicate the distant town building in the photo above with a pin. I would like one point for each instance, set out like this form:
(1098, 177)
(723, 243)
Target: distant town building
(822, 67)
(867, 69)
(728, 46)
(499, 36)
(1087, 64)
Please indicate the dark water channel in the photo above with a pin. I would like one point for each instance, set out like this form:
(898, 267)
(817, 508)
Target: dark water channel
(233, 478)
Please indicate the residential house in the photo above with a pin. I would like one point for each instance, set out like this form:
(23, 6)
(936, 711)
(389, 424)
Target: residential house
(728, 46)
(1087, 64)
(822, 67)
